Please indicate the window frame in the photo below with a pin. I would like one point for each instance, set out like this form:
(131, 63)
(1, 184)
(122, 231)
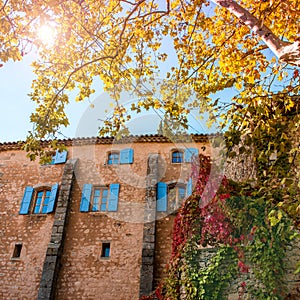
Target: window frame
(17, 251)
(88, 195)
(104, 247)
(174, 204)
(30, 196)
(102, 190)
(177, 159)
(113, 161)
(120, 157)
(44, 200)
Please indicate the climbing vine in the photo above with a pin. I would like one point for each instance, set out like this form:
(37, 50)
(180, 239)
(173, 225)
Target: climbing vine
(226, 238)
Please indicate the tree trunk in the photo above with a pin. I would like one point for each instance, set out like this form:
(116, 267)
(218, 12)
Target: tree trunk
(285, 51)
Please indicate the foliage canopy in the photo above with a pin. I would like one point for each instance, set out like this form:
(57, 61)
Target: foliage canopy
(250, 47)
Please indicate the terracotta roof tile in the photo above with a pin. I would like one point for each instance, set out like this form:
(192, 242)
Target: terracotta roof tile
(153, 138)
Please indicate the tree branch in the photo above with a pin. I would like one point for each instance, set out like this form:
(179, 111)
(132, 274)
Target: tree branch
(285, 51)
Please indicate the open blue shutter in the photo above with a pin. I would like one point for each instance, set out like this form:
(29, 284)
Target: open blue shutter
(25, 204)
(113, 197)
(52, 198)
(126, 156)
(189, 187)
(162, 197)
(60, 157)
(189, 152)
(85, 198)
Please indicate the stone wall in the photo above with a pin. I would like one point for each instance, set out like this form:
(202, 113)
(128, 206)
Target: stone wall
(52, 263)
(61, 251)
(20, 277)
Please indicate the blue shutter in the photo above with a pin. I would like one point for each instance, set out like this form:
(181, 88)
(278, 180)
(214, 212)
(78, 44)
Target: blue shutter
(113, 197)
(189, 152)
(189, 187)
(25, 204)
(60, 157)
(162, 197)
(86, 197)
(126, 156)
(52, 198)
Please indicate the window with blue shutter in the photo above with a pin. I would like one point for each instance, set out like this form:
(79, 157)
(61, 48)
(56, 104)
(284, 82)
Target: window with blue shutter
(113, 197)
(189, 153)
(60, 157)
(86, 197)
(25, 204)
(170, 196)
(52, 198)
(162, 198)
(42, 199)
(126, 156)
(99, 198)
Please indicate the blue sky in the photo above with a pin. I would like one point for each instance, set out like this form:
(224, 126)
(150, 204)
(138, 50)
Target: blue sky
(16, 78)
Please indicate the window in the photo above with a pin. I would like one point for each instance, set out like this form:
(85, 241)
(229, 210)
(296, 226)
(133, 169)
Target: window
(176, 194)
(59, 157)
(95, 198)
(17, 251)
(39, 201)
(180, 156)
(177, 157)
(105, 251)
(170, 196)
(113, 158)
(124, 156)
(99, 202)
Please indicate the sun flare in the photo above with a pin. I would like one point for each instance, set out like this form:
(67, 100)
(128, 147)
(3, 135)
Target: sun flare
(47, 35)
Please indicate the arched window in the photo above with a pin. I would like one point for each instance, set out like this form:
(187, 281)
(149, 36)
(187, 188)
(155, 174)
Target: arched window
(177, 156)
(41, 201)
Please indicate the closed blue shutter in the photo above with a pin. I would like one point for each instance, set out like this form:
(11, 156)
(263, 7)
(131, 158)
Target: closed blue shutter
(113, 197)
(126, 156)
(189, 187)
(162, 197)
(86, 197)
(52, 198)
(189, 152)
(60, 157)
(25, 204)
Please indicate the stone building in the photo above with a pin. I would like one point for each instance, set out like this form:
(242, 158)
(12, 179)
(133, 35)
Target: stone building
(97, 222)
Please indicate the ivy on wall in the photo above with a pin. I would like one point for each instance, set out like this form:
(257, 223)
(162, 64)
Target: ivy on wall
(224, 238)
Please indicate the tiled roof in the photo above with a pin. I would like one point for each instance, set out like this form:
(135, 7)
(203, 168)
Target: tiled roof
(153, 138)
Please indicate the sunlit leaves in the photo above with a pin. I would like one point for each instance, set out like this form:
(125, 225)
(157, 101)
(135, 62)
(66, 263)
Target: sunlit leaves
(128, 43)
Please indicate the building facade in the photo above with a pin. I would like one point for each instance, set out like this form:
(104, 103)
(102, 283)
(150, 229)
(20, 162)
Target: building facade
(96, 223)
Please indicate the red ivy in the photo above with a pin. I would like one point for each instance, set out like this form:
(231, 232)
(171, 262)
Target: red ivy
(204, 213)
